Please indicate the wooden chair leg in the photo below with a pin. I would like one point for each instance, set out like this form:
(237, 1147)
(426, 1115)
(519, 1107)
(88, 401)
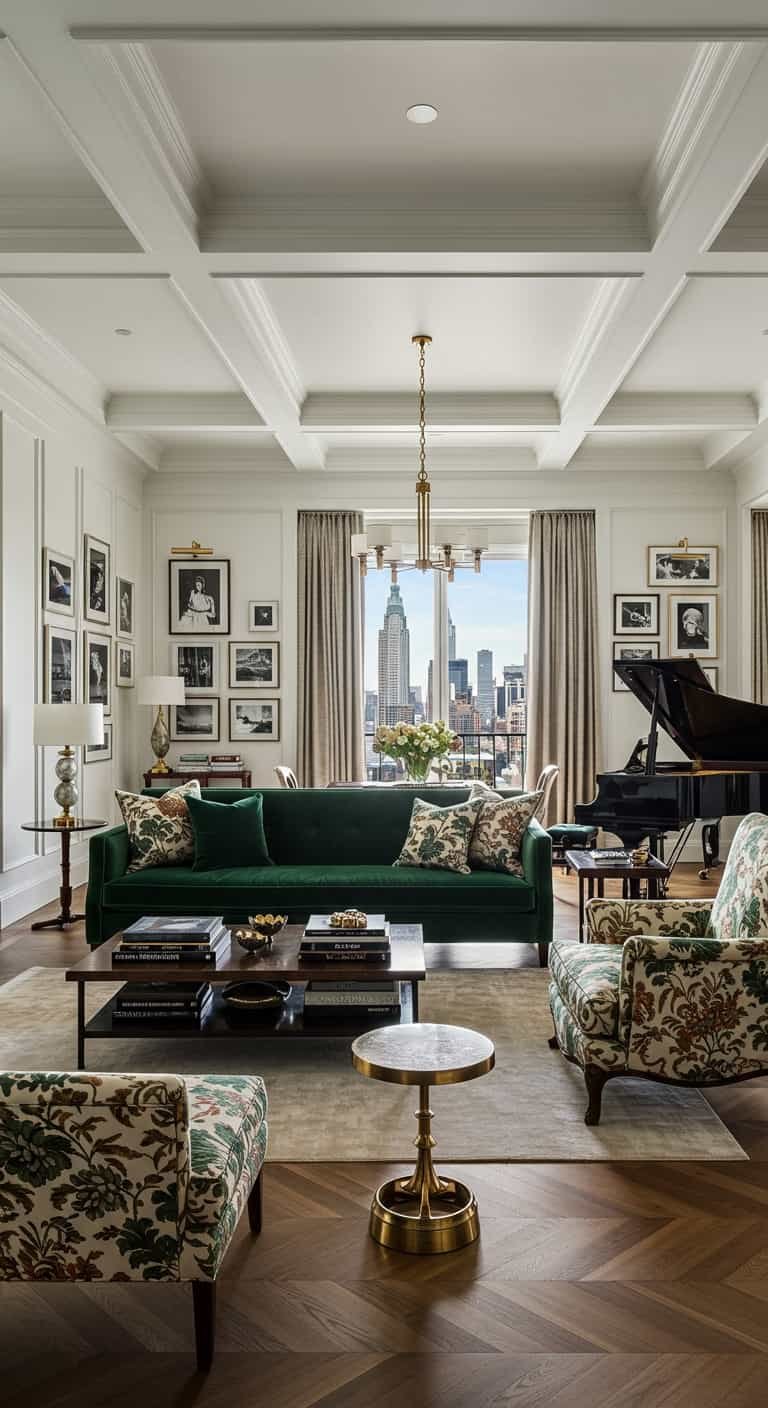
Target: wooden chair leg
(595, 1079)
(254, 1206)
(553, 1043)
(543, 955)
(204, 1308)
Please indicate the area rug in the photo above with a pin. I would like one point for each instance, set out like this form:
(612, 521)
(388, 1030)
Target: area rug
(531, 1107)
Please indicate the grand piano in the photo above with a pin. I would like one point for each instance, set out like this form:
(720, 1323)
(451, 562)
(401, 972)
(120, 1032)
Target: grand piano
(725, 742)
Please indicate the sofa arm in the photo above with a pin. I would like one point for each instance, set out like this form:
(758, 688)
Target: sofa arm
(108, 857)
(695, 1010)
(536, 860)
(615, 921)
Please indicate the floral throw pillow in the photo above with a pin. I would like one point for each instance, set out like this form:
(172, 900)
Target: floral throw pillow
(159, 828)
(438, 837)
(501, 826)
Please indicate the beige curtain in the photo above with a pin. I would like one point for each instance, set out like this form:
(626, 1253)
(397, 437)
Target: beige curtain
(330, 651)
(760, 606)
(562, 657)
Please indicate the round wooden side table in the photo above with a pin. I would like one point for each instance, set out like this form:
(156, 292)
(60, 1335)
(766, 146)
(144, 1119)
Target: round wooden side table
(65, 917)
(424, 1212)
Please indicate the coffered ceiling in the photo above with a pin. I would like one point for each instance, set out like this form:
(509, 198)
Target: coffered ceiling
(583, 230)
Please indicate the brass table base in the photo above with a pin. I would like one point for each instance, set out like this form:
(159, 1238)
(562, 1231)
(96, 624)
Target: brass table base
(424, 1213)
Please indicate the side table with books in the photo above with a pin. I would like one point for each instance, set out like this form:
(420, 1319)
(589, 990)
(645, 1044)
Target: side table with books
(593, 868)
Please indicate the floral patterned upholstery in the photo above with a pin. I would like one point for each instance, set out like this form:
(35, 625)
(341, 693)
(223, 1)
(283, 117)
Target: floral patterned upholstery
(438, 837)
(587, 978)
(585, 1050)
(740, 910)
(613, 921)
(124, 1177)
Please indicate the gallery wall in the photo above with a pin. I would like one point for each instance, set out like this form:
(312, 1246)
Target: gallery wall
(61, 478)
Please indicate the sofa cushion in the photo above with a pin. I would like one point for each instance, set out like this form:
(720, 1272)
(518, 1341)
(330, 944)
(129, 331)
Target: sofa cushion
(500, 828)
(438, 837)
(228, 834)
(159, 828)
(587, 979)
(228, 1142)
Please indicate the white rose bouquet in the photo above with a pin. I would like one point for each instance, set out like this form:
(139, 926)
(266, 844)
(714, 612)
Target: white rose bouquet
(419, 745)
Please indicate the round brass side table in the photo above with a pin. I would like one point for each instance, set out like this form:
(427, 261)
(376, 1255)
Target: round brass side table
(424, 1212)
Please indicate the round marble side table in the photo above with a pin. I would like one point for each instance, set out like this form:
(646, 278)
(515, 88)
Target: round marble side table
(424, 1212)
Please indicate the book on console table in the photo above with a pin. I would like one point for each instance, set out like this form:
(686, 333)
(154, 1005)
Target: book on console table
(319, 926)
(369, 996)
(192, 1017)
(181, 928)
(611, 857)
(172, 951)
(166, 997)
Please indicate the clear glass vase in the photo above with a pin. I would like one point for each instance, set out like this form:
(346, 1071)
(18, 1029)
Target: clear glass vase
(418, 769)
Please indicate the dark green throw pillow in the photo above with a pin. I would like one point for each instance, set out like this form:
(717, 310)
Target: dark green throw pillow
(229, 834)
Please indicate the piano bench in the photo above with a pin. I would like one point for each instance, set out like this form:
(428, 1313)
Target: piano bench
(571, 837)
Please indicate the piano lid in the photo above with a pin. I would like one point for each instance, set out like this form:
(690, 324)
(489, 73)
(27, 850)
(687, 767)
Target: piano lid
(709, 727)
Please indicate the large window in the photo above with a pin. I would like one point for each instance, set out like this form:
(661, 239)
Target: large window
(451, 650)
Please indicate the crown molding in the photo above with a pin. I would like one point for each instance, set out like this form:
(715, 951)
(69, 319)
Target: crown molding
(690, 121)
(378, 459)
(418, 33)
(678, 411)
(407, 223)
(257, 318)
(66, 224)
(259, 458)
(603, 309)
(747, 229)
(144, 447)
(31, 349)
(182, 411)
(397, 411)
(638, 458)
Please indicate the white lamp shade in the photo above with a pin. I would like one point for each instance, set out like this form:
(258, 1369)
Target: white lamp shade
(57, 724)
(478, 539)
(160, 689)
(379, 535)
(359, 544)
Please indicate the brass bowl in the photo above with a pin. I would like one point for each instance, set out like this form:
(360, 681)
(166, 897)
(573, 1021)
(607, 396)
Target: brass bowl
(250, 940)
(268, 925)
(251, 998)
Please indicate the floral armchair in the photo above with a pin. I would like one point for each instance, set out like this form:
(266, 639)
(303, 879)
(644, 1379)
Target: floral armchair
(128, 1178)
(673, 990)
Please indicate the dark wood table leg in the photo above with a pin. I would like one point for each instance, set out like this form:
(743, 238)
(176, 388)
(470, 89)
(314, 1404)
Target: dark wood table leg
(633, 884)
(582, 882)
(415, 999)
(80, 1026)
(600, 887)
(65, 916)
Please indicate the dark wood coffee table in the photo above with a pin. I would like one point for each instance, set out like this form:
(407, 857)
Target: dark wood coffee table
(406, 964)
(591, 877)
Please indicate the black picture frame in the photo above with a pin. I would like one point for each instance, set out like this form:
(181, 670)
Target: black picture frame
(183, 573)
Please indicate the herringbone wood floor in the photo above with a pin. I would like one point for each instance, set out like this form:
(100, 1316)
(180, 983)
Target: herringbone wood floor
(593, 1285)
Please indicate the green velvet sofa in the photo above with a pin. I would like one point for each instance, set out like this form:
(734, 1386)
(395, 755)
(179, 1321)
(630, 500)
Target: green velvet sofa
(331, 848)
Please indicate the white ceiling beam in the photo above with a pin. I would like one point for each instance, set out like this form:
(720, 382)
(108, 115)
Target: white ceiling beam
(443, 459)
(49, 224)
(677, 412)
(152, 413)
(731, 145)
(109, 123)
(388, 412)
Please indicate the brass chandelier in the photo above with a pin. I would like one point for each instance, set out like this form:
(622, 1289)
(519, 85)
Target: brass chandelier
(378, 538)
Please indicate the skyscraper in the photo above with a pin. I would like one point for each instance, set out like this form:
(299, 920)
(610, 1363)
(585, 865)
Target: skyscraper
(458, 675)
(485, 688)
(451, 638)
(394, 660)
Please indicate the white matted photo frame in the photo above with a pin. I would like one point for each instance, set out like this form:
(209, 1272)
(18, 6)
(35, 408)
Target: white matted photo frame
(197, 661)
(97, 669)
(711, 672)
(58, 582)
(198, 596)
(99, 752)
(254, 665)
(125, 666)
(125, 597)
(196, 720)
(629, 650)
(97, 575)
(682, 563)
(263, 616)
(254, 720)
(694, 625)
(635, 614)
(60, 665)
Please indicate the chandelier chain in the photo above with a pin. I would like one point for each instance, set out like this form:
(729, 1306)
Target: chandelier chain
(422, 417)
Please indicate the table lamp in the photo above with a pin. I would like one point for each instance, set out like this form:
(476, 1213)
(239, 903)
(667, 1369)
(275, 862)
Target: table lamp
(67, 724)
(160, 690)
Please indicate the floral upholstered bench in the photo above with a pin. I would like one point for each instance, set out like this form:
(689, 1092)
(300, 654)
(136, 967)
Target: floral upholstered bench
(673, 990)
(128, 1178)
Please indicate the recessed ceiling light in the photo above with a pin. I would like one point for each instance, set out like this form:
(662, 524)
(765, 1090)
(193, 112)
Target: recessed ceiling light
(421, 113)
(124, 332)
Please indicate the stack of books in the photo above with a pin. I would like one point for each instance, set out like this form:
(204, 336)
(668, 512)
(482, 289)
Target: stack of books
(178, 1004)
(192, 762)
(225, 762)
(609, 856)
(324, 943)
(173, 939)
(340, 1000)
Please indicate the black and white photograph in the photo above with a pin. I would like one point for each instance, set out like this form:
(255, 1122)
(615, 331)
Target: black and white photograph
(198, 602)
(635, 614)
(254, 720)
(682, 564)
(60, 665)
(99, 752)
(96, 578)
(254, 666)
(693, 625)
(96, 658)
(58, 582)
(198, 664)
(628, 651)
(124, 596)
(263, 616)
(197, 719)
(125, 674)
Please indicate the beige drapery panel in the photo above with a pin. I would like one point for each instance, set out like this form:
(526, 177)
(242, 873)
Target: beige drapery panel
(760, 606)
(330, 732)
(562, 656)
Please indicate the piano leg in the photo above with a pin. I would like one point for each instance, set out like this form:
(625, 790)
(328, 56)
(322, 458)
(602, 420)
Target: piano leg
(710, 845)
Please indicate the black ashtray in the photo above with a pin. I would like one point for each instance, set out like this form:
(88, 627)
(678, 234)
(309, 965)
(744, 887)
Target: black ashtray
(250, 999)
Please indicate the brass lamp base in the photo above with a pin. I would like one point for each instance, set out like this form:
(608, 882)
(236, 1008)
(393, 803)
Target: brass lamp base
(159, 768)
(65, 819)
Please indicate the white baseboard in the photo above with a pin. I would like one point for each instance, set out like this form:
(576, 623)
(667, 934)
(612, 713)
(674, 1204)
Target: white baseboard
(23, 897)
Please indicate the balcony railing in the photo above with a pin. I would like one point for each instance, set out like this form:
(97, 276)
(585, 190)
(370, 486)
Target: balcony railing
(495, 758)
